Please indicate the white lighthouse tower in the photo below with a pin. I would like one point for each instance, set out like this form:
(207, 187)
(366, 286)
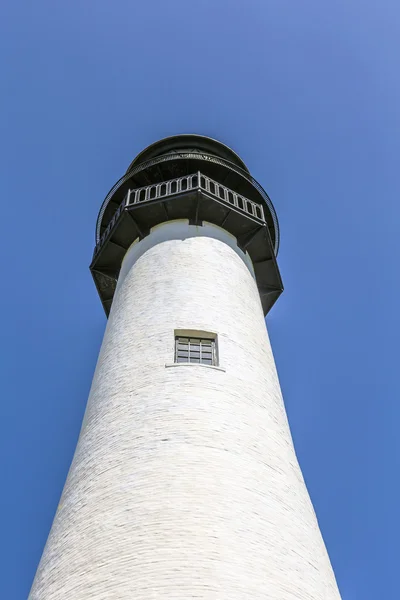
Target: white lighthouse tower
(185, 482)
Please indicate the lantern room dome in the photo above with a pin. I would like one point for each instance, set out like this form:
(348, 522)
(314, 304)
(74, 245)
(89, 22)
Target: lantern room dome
(188, 143)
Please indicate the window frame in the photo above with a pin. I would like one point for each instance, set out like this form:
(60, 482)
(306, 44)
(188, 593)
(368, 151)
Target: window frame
(199, 340)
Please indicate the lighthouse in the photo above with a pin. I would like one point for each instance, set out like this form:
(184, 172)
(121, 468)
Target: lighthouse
(185, 482)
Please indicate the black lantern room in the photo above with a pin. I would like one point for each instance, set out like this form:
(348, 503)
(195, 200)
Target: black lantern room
(187, 177)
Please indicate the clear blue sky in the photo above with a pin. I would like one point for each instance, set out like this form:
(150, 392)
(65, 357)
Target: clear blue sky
(308, 94)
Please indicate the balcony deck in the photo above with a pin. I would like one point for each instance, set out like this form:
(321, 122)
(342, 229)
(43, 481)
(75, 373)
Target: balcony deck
(197, 198)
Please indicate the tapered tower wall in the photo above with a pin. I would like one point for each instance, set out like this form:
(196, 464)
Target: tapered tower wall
(185, 482)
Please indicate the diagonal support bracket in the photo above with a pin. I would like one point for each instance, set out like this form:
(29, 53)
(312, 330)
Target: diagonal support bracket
(142, 231)
(226, 218)
(245, 240)
(268, 289)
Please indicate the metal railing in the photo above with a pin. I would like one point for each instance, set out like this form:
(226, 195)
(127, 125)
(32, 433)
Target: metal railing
(109, 227)
(187, 183)
(221, 192)
(157, 191)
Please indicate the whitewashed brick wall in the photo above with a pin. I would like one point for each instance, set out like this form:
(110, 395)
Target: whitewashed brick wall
(185, 483)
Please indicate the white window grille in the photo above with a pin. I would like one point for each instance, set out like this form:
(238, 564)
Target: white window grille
(195, 350)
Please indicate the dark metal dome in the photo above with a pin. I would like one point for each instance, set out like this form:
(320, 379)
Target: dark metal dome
(188, 143)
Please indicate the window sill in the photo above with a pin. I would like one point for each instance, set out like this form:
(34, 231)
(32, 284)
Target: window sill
(188, 364)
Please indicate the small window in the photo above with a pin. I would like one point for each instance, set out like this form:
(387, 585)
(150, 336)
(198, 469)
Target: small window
(195, 350)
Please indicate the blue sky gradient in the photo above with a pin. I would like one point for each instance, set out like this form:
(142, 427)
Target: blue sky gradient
(308, 94)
